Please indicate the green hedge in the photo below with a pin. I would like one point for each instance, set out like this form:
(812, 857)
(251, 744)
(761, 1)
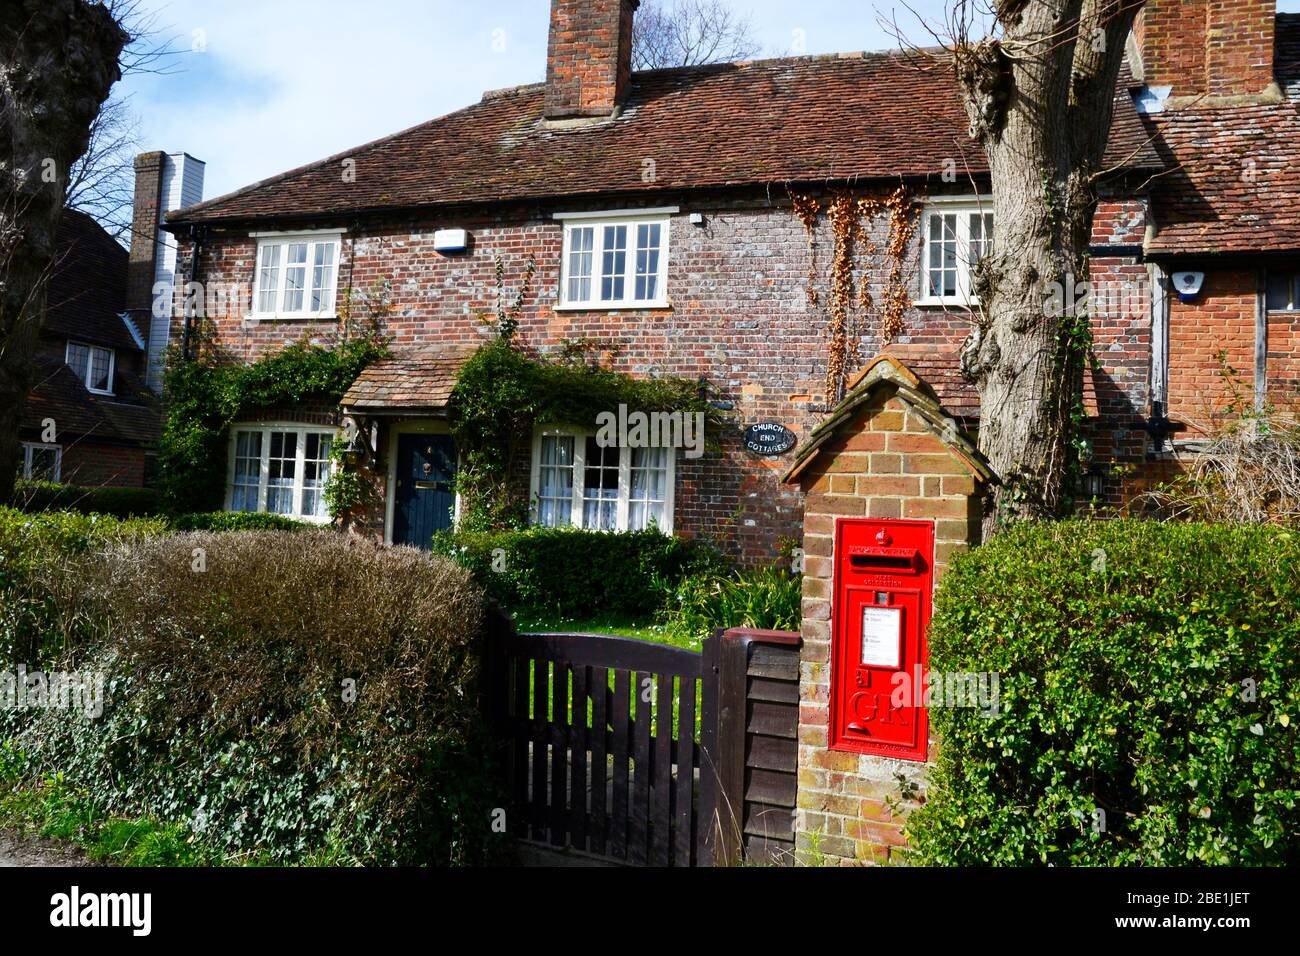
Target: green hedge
(296, 697)
(568, 573)
(35, 588)
(1147, 671)
(237, 521)
(36, 496)
(41, 497)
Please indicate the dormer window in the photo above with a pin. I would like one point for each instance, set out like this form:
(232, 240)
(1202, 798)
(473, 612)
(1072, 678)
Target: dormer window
(93, 365)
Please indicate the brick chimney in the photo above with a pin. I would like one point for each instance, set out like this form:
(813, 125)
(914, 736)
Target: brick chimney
(164, 182)
(1209, 48)
(144, 232)
(589, 58)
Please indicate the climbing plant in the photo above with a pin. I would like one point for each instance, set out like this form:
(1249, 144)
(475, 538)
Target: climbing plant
(501, 394)
(212, 391)
(850, 217)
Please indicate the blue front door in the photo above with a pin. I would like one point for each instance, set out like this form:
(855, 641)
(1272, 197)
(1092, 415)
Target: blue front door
(423, 498)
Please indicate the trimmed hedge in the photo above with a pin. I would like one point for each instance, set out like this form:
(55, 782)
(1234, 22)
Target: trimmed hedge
(34, 496)
(43, 497)
(237, 521)
(296, 697)
(35, 586)
(1149, 698)
(570, 573)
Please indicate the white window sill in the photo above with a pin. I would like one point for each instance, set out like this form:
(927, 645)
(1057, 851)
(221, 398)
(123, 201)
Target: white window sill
(290, 317)
(954, 302)
(96, 391)
(612, 306)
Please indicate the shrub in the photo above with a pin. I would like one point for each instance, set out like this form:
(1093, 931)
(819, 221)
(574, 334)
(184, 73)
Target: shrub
(36, 580)
(37, 496)
(291, 695)
(237, 521)
(1249, 472)
(1147, 671)
(569, 573)
(765, 597)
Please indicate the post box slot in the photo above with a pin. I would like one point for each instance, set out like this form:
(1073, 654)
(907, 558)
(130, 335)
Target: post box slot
(891, 559)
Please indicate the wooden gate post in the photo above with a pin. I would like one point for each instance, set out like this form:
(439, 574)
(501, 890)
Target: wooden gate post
(757, 726)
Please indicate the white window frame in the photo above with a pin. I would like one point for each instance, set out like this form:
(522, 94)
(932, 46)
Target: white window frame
(312, 238)
(580, 436)
(264, 467)
(90, 365)
(963, 207)
(32, 446)
(631, 218)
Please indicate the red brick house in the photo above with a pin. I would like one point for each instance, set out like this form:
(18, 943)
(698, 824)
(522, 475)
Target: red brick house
(663, 211)
(89, 420)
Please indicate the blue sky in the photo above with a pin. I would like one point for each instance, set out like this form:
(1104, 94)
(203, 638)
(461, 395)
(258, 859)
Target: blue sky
(266, 85)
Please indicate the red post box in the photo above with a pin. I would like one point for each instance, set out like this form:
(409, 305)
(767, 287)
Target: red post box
(880, 612)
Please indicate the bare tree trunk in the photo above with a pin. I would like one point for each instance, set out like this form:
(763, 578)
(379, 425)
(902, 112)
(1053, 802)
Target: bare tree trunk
(58, 61)
(1040, 99)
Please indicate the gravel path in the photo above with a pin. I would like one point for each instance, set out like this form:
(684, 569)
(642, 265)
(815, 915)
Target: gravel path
(16, 850)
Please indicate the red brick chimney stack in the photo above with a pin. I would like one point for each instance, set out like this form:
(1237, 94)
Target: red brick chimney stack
(144, 232)
(1212, 48)
(589, 58)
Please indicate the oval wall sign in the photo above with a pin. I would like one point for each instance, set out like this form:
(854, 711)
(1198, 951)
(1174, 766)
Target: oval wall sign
(769, 438)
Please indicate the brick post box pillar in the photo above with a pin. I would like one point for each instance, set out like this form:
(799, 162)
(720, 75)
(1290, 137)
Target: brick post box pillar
(893, 488)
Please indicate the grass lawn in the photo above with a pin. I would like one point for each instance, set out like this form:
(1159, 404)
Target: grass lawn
(640, 628)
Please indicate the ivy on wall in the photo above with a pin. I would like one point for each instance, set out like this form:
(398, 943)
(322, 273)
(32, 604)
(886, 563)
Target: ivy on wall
(502, 394)
(850, 218)
(205, 396)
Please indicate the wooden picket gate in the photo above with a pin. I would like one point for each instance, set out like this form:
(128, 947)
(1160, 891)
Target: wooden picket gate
(619, 750)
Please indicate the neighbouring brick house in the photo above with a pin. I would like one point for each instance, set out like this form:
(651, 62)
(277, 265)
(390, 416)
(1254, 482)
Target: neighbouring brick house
(89, 420)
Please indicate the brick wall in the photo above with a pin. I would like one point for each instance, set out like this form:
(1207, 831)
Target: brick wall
(1217, 328)
(886, 464)
(740, 319)
(1282, 374)
(96, 465)
(1220, 48)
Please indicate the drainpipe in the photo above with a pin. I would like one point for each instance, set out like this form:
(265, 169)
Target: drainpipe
(197, 235)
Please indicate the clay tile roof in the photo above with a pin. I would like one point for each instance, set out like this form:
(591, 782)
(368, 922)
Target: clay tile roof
(88, 286)
(59, 394)
(889, 372)
(1233, 185)
(939, 366)
(408, 380)
(803, 119)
